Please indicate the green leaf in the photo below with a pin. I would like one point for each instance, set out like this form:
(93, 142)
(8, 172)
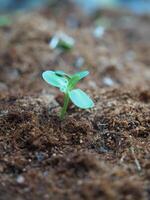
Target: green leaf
(81, 99)
(82, 74)
(57, 81)
(73, 81)
(65, 45)
(61, 73)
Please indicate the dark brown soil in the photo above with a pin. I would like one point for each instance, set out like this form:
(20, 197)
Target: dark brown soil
(102, 153)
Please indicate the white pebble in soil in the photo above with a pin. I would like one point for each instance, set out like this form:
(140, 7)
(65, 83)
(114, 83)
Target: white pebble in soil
(108, 81)
(79, 62)
(20, 179)
(98, 32)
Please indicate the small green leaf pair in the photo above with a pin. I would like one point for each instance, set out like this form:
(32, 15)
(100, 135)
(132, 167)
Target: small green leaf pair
(66, 83)
(62, 41)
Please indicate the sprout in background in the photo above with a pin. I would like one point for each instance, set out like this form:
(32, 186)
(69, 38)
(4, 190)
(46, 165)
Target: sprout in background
(62, 41)
(66, 83)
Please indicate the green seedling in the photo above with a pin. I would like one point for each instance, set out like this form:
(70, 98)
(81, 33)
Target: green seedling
(62, 41)
(66, 83)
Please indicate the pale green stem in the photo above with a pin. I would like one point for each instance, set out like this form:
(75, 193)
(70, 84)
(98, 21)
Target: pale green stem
(64, 108)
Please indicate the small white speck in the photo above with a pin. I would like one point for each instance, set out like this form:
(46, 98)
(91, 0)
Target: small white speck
(99, 32)
(108, 81)
(79, 62)
(20, 179)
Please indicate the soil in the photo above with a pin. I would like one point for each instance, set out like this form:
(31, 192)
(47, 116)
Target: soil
(100, 153)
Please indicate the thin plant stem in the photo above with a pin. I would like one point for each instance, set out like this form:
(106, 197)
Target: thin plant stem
(64, 108)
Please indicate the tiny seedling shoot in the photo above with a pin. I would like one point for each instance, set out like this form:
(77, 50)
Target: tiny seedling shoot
(66, 83)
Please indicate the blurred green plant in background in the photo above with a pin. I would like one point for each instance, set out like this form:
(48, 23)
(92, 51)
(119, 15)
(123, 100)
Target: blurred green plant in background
(5, 20)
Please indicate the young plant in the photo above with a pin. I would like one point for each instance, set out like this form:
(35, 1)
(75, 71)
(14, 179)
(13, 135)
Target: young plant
(66, 83)
(62, 41)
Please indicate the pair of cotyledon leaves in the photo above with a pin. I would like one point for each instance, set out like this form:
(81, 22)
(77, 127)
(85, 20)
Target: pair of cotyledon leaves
(66, 84)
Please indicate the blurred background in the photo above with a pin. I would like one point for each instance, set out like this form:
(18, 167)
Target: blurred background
(56, 32)
(136, 6)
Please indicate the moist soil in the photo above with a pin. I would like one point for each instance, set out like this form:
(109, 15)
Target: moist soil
(100, 153)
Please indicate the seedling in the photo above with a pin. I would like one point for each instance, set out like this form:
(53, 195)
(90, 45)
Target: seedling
(62, 41)
(66, 83)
